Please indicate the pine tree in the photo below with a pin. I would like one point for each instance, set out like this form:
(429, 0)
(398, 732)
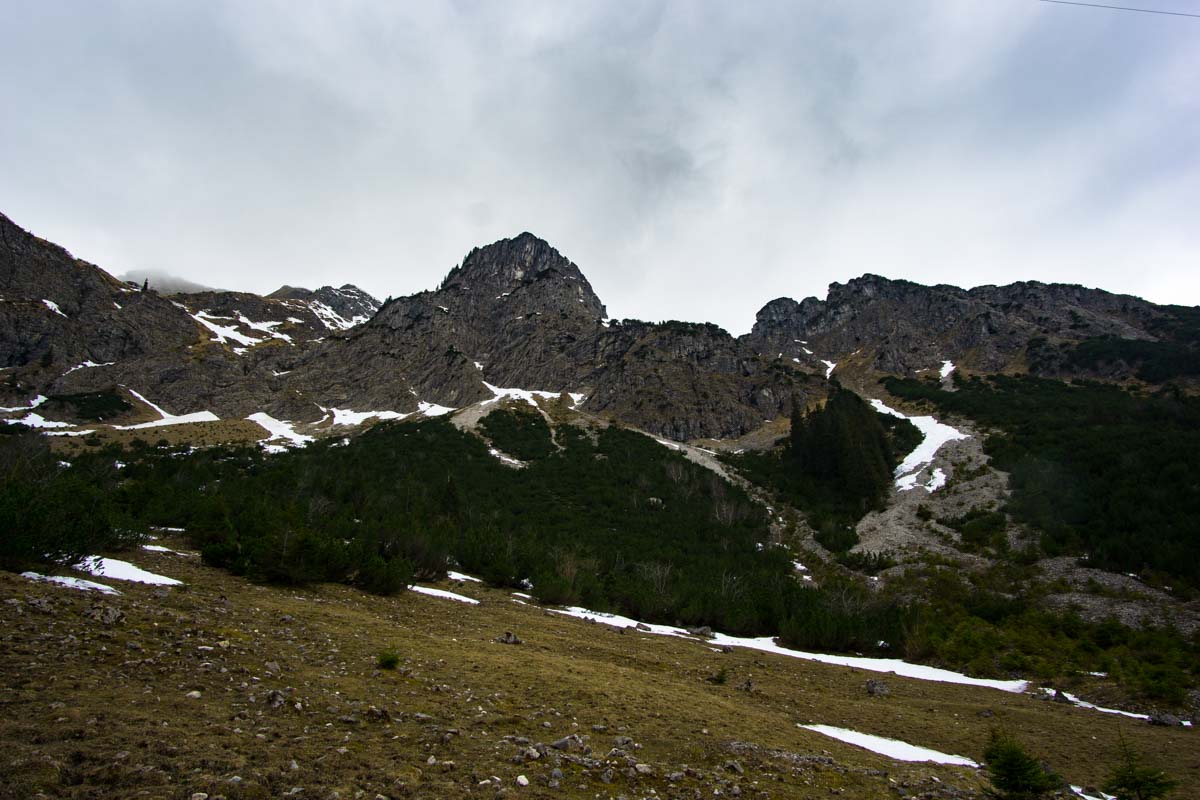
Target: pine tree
(1015, 774)
(1134, 780)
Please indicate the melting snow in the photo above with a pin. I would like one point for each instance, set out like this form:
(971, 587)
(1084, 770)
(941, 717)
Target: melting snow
(1085, 704)
(72, 583)
(445, 595)
(892, 748)
(805, 349)
(344, 416)
(517, 394)
(829, 365)
(433, 409)
(53, 306)
(37, 401)
(88, 364)
(122, 571)
(279, 429)
(224, 333)
(505, 459)
(458, 576)
(331, 319)
(167, 417)
(38, 421)
(158, 548)
(266, 327)
(767, 645)
(947, 368)
(936, 434)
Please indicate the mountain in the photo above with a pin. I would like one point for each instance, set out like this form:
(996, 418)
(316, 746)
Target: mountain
(517, 313)
(899, 327)
(338, 309)
(994, 481)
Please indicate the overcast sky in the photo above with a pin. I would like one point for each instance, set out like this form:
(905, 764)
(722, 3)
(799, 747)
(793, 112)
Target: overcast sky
(695, 159)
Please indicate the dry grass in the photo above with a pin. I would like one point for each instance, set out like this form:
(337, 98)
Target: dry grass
(126, 727)
(195, 434)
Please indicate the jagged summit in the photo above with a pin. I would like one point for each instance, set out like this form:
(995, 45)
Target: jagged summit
(517, 313)
(524, 269)
(524, 257)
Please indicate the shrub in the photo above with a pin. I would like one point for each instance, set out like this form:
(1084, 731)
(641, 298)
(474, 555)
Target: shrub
(1134, 780)
(387, 659)
(1016, 775)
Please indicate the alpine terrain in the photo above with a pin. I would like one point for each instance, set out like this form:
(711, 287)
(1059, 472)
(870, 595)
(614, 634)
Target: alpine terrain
(486, 541)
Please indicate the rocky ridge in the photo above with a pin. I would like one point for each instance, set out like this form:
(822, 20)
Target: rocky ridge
(515, 313)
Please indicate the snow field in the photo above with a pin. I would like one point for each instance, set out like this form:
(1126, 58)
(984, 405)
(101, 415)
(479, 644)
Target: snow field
(892, 748)
(122, 571)
(935, 435)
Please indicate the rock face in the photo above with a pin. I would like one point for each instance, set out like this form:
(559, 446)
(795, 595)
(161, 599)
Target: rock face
(513, 314)
(517, 314)
(337, 309)
(899, 327)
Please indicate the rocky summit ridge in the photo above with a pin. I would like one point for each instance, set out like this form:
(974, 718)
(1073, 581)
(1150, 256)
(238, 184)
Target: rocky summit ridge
(517, 313)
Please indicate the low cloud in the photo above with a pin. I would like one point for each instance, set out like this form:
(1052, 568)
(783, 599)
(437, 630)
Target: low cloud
(696, 160)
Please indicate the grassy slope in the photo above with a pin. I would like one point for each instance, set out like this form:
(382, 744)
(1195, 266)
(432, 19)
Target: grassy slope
(125, 725)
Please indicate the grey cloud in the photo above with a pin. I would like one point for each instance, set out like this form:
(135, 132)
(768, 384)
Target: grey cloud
(695, 159)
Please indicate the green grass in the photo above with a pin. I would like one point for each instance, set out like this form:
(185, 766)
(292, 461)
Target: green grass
(569, 676)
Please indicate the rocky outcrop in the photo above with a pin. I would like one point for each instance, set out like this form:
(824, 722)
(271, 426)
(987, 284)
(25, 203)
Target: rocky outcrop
(513, 314)
(900, 327)
(336, 309)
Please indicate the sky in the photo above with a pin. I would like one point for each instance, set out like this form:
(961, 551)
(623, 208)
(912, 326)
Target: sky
(695, 159)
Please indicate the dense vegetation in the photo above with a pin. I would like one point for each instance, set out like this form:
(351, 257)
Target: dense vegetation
(837, 464)
(521, 434)
(600, 517)
(1099, 470)
(48, 514)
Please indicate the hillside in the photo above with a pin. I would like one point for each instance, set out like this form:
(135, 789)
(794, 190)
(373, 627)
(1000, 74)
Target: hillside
(992, 483)
(244, 691)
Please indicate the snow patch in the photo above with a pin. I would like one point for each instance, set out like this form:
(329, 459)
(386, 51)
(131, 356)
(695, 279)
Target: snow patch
(279, 429)
(224, 333)
(458, 576)
(37, 401)
(935, 434)
(1085, 704)
(829, 365)
(266, 327)
(53, 306)
(344, 416)
(158, 548)
(167, 417)
(528, 395)
(512, 462)
(88, 365)
(331, 319)
(71, 583)
(442, 593)
(433, 409)
(947, 368)
(767, 644)
(892, 748)
(122, 571)
(38, 421)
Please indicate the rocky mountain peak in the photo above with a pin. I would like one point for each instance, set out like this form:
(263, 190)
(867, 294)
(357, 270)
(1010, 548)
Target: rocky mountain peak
(338, 309)
(524, 265)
